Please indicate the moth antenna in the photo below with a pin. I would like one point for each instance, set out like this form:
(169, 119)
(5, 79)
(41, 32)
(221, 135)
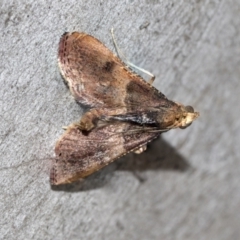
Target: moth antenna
(124, 58)
(159, 130)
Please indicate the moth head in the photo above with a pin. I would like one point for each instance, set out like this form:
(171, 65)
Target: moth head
(185, 116)
(180, 116)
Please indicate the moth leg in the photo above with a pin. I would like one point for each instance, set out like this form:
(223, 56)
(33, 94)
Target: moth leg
(98, 117)
(124, 58)
(88, 120)
(141, 149)
(151, 80)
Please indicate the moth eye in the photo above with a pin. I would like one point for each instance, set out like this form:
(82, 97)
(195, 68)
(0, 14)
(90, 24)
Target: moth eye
(189, 109)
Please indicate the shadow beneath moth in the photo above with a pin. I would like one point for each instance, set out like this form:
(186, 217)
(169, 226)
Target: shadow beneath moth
(125, 111)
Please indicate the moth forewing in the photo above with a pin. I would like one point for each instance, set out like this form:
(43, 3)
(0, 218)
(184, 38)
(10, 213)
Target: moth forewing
(78, 154)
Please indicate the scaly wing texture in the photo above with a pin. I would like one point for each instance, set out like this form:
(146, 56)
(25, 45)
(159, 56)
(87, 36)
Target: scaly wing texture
(79, 155)
(97, 78)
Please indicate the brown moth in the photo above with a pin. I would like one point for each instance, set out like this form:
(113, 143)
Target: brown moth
(125, 112)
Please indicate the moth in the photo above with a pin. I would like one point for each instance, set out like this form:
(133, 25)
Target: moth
(125, 112)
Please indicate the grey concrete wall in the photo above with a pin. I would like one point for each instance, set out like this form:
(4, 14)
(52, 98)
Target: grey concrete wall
(186, 186)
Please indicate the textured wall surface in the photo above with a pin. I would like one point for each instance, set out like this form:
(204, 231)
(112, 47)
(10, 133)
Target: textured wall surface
(186, 185)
